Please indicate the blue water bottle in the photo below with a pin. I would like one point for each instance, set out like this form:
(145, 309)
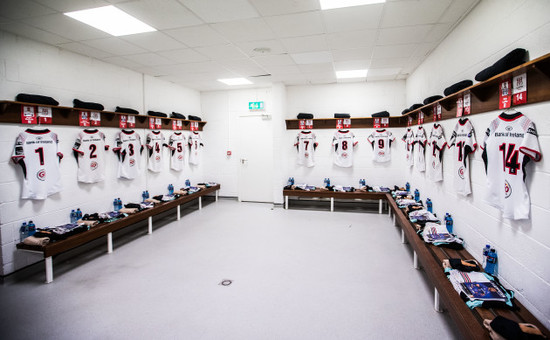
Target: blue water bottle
(170, 189)
(416, 195)
(78, 214)
(31, 228)
(328, 182)
(146, 194)
(143, 196)
(119, 202)
(187, 183)
(23, 231)
(485, 253)
(491, 266)
(429, 205)
(408, 187)
(73, 214)
(449, 223)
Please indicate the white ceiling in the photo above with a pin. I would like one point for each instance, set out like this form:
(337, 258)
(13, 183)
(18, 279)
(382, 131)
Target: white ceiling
(199, 41)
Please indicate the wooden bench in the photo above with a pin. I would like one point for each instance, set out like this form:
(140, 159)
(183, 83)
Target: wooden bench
(107, 229)
(380, 196)
(430, 257)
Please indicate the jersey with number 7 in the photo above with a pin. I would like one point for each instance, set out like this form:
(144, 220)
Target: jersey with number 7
(306, 144)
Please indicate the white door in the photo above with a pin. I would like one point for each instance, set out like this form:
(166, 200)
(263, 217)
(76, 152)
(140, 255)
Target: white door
(255, 159)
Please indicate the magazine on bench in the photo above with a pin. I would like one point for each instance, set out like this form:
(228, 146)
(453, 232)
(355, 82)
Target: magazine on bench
(485, 291)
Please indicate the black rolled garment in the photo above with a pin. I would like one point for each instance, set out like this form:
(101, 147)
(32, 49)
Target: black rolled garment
(197, 118)
(381, 114)
(156, 114)
(511, 60)
(342, 115)
(415, 106)
(36, 99)
(304, 115)
(432, 99)
(78, 104)
(461, 85)
(404, 112)
(126, 110)
(177, 115)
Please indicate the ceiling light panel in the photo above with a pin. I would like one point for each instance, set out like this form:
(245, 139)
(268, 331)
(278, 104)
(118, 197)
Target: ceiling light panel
(235, 81)
(351, 74)
(111, 20)
(331, 4)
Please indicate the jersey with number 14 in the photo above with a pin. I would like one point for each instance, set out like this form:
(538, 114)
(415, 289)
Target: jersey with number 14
(89, 148)
(305, 142)
(381, 144)
(510, 142)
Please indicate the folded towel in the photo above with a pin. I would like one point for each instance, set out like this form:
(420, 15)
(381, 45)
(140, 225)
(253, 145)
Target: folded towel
(152, 200)
(128, 210)
(461, 85)
(87, 105)
(342, 115)
(177, 115)
(36, 99)
(381, 114)
(126, 110)
(156, 114)
(431, 99)
(88, 223)
(509, 61)
(197, 118)
(36, 241)
(304, 115)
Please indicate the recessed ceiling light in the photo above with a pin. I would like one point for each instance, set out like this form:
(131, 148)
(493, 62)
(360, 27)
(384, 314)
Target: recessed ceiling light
(111, 20)
(351, 74)
(330, 4)
(235, 81)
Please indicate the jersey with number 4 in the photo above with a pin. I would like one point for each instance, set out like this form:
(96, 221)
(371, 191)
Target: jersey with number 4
(177, 145)
(89, 149)
(305, 142)
(408, 138)
(464, 141)
(36, 151)
(195, 146)
(128, 148)
(155, 143)
(381, 144)
(511, 141)
(343, 142)
(436, 145)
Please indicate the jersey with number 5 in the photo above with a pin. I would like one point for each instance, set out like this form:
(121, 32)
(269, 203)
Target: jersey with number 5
(177, 145)
(128, 148)
(89, 149)
(511, 141)
(36, 151)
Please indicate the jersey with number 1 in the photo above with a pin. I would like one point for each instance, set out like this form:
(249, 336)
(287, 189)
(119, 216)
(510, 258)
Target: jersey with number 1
(436, 145)
(155, 143)
(381, 144)
(464, 141)
(128, 148)
(343, 142)
(89, 148)
(195, 146)
(305, 142)
(177, 145)
(36, 151)
(511, 141)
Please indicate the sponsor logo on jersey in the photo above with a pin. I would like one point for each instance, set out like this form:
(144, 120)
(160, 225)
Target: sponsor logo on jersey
(94, 165)
(157, 158)
(132, 161)
(433, 164)
(532, 131)
(509, 128)
(507, 189)
(180, 157)
(345, 155)
(306, 155)
(461, 172)
(41, 174)
(381, 153)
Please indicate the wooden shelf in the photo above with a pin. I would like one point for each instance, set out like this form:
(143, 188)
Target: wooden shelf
(484, 98)
(10, 112)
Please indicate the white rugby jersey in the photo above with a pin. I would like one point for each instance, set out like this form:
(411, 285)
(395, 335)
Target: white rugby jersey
(155, 143)
(419, 147)
(436, 145)
(343, 142)
(195, 146)
(38, 154)
(381, 140)
(178, 145)
(408, 138)
(89, 149)
(510, 142)
(128, 148)
(464, 141)
(306, 144)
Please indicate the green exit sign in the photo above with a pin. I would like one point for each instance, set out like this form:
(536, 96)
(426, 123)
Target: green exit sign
(255, 105)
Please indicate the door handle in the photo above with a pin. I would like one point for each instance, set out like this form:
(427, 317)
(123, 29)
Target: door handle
(244, 160)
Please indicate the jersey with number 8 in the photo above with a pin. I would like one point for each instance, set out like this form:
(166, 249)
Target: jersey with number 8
(343, 142)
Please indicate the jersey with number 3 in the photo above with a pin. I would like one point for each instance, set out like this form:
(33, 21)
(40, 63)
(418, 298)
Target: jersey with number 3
(381, 144)
(305, 142)
(36, 151)
(343, 142)
(89, 148)
(511, 141)
(464, 141)
(155, 143)
(177, 145)
(195, 146)
(128, 147)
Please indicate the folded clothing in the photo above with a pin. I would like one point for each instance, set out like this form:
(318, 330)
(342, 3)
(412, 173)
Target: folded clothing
(152, 200)
(342, 115)
(128, 210)
(87, 105)
(415, 106)
(422, 215)
(132, 205)
(461, 85)
(501, 328)
(304, 115)
(462, 265)
(36, 241)
(156, 114)
(404, 112)
(146, 205)
(432, 99)
(438, 234)
(177, 115)
(197, 118)
(60, 232)
(381, 114)
(480, 289)
(126, 110)
(509, 61)
(88, 223)
(36, 99)
(180, 192)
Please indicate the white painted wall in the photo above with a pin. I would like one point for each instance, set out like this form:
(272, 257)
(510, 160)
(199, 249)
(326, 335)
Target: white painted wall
(490, 31)
(31, 67)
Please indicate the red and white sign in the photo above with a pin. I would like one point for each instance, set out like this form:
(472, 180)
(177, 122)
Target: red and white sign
(131, 122)
(84, 118)
(174, 125)
(420, 117)
(467, 103)
(385, 122)
(505, 94)
(309, 124)
(158, 123)
(95, 118)
(28, 115)
(339, 123)
(436, 112)
(194, 126)
(459, 106)
(347, 123)
(519, 91)
(123, 121)
(376, 123)
(152, 123)
(409, 121)
(302, 124)
(44, 115)
(179, 124)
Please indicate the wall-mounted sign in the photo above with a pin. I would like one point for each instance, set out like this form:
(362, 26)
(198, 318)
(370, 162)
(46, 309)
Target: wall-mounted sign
(255, 105)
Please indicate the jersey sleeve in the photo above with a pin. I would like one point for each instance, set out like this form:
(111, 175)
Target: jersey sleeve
(77, 144)
(59, 153)
(452, 140)
(148, 141)
(370, 138)
(530, 144)
(353, 140)
(471, 139)
(18, 151)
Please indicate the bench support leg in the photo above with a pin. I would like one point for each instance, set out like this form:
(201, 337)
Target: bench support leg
(217, 194)
(403, 236)
(49, 269)
(415, 260)
(379, 206)
(179, 212)
(389, 210)
(150, 229)
(109, 243)
(332, 204)
(200, 202)
(437, 305)
(394, 221)
(286, 202)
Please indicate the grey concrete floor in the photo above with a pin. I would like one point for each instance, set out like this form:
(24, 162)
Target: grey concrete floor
(297, 274)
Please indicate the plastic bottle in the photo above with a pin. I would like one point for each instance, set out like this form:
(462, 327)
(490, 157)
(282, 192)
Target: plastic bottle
(408, 187)
(119, 204)
(187, 183)
(143, 196)
(170, 189)
(485, 253)
(491, 266)
(147, 193)
(23, 231)
(328, 182)
(78, 214)
(416, 195)
(429, 205)
(115, 204)
(31, 228)
(73, 214)
(449, 223)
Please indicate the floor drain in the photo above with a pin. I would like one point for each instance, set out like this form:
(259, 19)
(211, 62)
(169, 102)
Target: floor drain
(226, 282)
